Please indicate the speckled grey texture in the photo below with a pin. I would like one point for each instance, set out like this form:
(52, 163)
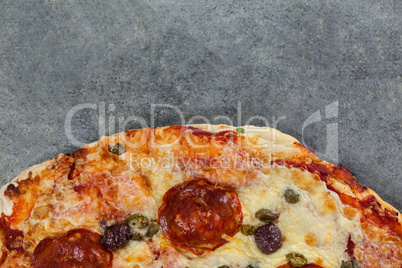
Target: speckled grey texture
(275, 58)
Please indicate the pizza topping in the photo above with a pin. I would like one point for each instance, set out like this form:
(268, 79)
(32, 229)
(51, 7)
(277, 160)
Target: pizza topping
(296, 259)
(265, 215)
(141, 226)
(199, 216)
(116, 236)
(153, 229)
(138, 221)
(268, 238)
(291, 196)
(310, 265)
(117, 149)
(78, 248)
(136, 237)
(240, 130)
(348, 264)
(247, 229)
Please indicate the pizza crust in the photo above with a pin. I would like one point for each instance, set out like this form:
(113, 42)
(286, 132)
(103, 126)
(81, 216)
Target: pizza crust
(6, 205)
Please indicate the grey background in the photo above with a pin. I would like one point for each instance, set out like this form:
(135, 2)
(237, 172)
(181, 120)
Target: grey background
(274, 58)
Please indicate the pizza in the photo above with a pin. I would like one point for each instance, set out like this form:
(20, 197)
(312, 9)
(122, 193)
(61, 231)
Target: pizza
(195, 196)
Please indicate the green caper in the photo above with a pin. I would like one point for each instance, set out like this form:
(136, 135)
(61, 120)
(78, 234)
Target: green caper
(136, 237)
(117, 149)
(240, 130)
(138, 221)
(291, 196)
(348, 264)
(296, 259)
(248, 229)
(265, 215)
(153, 229)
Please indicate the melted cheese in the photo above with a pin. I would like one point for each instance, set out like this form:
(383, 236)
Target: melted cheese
(310, 217)
(314, 226)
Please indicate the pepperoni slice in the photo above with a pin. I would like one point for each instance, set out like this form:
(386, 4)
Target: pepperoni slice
(78, 248)
(199, 216)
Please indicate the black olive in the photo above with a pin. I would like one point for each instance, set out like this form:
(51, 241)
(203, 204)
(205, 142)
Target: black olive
(223, 266)
(116, 236)
(291, 196)
(265, 215)
(117, 149)
(268, 238)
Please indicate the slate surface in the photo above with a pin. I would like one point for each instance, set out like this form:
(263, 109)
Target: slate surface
(206, 58)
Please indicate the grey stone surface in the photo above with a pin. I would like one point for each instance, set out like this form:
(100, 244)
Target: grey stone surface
(205, 57)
